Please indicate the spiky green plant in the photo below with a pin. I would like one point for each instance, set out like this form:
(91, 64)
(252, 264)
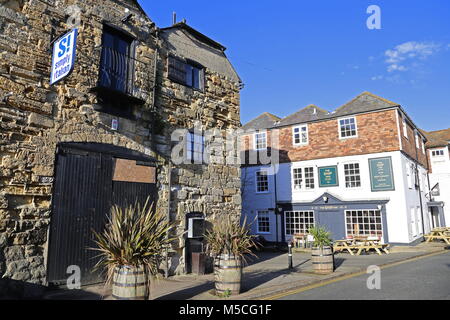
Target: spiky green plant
(322, 237)
(229, 236)
(134, 236)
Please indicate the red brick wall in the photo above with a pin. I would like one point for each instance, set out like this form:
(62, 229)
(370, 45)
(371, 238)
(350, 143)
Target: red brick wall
(409, 144)
(377, 132)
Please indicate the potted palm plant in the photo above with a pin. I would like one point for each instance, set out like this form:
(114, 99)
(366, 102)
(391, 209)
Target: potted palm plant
(130, 249)
(228, 241)
(322, 251)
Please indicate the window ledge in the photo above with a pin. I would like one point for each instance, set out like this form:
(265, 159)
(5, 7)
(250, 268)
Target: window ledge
(116, 93)
(346, 138)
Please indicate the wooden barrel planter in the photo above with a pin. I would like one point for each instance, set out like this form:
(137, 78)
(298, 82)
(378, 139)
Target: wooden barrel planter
(228, 274)
(130, 283)
(323, 260)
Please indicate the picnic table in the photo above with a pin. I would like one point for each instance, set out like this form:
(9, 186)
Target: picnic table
(439, 234)
(360, 244)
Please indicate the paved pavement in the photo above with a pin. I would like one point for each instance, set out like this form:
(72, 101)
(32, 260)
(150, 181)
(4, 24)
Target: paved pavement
(421, 279)
(263, 277)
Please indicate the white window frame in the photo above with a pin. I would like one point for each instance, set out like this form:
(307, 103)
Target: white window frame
(256, 181)
(417, 141)
(266, 215)
(356, 210)
(298, 217)
(255, 140)
(409, 176)
(345, 176)
(423, 146)
(340, 131)
(301, 143)
(435, 155)
(303, 179)
(405, 128)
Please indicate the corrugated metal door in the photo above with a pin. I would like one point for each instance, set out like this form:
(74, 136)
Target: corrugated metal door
(84, 192)
(82, 200)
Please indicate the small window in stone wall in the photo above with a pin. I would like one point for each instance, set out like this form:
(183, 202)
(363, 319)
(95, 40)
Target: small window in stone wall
(187, 73)
(195, 148)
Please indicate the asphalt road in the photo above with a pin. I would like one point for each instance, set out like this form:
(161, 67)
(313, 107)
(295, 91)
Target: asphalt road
(422, 279)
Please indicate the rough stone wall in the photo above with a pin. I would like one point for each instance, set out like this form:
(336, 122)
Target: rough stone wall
(212, 189)
(37, 116)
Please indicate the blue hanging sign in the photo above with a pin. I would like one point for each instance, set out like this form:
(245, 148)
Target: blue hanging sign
(63, 60)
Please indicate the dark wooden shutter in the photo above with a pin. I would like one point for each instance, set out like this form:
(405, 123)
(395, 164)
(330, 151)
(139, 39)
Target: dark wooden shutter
(177, 70)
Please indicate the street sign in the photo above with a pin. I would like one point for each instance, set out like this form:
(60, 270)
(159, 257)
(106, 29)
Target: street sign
(63, 59)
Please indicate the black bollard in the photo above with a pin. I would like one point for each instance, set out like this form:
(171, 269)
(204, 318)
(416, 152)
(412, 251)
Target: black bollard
(290, 256)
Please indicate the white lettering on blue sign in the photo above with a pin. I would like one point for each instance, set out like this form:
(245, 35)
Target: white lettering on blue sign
(64, 52)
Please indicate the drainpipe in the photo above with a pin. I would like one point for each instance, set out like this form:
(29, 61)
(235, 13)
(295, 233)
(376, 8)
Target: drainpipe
(420, 195)
(276, 207)
(169, 185)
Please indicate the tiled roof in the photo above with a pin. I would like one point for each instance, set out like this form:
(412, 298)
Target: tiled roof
(309, 113)
(365, 102)
(440, 138)
(263, 121)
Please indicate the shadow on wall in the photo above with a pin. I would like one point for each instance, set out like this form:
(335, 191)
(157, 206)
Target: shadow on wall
(16, 5)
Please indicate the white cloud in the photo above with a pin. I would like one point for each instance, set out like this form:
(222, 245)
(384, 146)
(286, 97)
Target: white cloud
(374, 78)
(405, 55)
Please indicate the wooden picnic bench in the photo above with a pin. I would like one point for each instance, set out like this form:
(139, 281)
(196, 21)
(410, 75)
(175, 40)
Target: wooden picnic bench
(439, 234)
(360, 244)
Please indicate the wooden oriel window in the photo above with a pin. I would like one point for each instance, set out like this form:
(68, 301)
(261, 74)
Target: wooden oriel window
(185, 72)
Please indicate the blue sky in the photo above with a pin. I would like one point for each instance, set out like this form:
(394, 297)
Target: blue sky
(293, 53)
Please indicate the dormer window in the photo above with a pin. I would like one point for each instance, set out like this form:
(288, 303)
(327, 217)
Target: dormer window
(186, 72)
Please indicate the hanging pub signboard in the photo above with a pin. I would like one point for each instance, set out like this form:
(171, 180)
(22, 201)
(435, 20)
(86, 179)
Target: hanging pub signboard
(63, 59)
(381, 176)
(328, 177)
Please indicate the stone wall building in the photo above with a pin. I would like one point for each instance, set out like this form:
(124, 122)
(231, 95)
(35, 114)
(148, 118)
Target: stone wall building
(103, 135)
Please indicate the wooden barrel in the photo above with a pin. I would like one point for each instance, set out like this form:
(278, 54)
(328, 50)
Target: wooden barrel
(323, 260)
(228, 274)
(130, 283)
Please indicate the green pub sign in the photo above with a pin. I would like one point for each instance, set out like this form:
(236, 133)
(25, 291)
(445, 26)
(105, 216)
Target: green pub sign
(328, 177)
(381, 176)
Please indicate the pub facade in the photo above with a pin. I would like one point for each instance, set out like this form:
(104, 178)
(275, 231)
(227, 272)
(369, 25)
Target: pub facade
(360, 170)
